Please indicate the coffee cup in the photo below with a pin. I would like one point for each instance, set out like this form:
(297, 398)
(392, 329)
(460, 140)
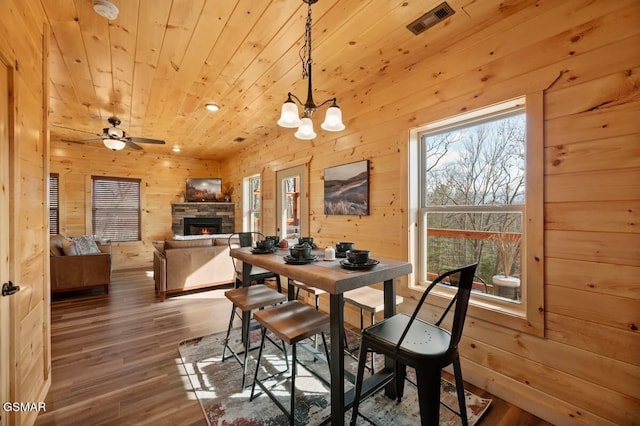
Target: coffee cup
(264, 245)
(301, 251)
(308, 240)
(358, 257)
(344, 246)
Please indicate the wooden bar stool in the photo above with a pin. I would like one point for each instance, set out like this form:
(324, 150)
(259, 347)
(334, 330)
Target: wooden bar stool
(247, 299)
(315, 292)
(367, 299)
(292, 322)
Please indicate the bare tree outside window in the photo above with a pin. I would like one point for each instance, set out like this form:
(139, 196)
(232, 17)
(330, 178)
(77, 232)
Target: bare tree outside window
(473, 187)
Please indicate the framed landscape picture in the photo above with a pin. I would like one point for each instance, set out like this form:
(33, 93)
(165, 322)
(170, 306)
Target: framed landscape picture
(346, 189)
(203, 189)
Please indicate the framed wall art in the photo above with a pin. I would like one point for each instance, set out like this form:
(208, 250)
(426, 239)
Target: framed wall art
(203, 189)
(346, 189)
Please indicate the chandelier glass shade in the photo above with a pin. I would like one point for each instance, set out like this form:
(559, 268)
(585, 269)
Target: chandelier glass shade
(114, 144)
(289, 116)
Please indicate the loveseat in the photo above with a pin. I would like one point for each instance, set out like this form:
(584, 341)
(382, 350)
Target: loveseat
(180, 265)
(79, 263)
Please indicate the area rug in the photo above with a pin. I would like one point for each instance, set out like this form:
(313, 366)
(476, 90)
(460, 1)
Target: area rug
(217, 387)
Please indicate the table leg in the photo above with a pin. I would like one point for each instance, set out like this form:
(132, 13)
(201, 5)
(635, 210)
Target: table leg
(389, 311)
(291, 290)
(246, 317)
(336, 314)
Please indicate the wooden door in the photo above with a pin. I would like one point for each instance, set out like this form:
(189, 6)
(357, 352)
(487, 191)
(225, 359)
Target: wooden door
(6, 334)
(292, 203)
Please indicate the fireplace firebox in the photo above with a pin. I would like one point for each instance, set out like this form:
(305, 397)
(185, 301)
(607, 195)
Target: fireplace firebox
(202, 225)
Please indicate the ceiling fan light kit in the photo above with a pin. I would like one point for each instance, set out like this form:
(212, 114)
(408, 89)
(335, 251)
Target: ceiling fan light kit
(106, 9)
(114, 144)
(289, 117)
(116, 139)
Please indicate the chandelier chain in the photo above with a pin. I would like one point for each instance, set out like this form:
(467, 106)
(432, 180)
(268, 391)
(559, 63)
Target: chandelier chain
(290, 116)
(305, 50)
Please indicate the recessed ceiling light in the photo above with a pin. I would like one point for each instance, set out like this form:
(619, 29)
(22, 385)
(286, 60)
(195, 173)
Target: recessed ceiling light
(176, 149)
(212, 107)
(105, 9)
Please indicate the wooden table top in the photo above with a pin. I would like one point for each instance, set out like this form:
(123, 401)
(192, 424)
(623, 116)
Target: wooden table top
(326, 275)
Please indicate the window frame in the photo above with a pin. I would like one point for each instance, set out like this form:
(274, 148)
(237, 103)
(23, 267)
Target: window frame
(248, 211)
(136, 181)
(527, 316)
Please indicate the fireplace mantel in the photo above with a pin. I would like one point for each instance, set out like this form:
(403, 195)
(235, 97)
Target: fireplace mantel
(225, 211)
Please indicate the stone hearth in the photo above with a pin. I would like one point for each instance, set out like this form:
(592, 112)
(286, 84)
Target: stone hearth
(225, 211)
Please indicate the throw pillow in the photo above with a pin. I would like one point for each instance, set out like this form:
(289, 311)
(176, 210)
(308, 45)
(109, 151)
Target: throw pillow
(69, 248)
(85, 244)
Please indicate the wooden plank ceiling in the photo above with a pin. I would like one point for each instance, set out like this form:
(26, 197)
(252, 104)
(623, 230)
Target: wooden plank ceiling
(160, 61)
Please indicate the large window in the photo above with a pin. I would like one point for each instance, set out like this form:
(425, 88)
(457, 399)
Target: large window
(252, 197)
(54, 204)
(474, 177)
(116, 208)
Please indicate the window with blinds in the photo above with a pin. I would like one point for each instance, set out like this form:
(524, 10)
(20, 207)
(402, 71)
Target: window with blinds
(54, 211)
(116, 208)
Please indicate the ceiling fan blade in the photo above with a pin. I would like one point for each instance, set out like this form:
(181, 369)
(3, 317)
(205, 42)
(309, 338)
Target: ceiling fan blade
(70, 141)
(91, 140)
(145, 140)
(75, 130)
(131, 144)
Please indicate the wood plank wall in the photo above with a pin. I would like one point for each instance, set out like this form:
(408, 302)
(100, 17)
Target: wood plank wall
(585, 57)
(29, 331)
(163, 179)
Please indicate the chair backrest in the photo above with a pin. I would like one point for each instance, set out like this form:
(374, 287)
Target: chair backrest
(245, 239)
(462, 279)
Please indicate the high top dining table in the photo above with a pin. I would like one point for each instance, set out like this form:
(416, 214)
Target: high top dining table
(332, 278)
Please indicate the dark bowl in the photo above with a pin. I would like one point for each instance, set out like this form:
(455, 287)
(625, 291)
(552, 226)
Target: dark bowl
(303, 240)
(300, 251)
(342, 246)
(264, 244)
(358, 256)
(274, 238)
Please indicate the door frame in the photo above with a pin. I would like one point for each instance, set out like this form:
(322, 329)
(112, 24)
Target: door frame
(301, 170)
(7, 303)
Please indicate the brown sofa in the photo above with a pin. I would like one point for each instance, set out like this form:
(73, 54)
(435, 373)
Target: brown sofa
(71, 272)
(180, 265)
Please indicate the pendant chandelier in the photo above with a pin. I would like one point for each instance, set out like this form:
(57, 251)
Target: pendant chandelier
(289, 117)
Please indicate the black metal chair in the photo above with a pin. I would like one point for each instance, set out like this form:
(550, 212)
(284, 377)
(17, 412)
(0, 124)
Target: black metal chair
(245, 239)
(371, 300)
(426, 347)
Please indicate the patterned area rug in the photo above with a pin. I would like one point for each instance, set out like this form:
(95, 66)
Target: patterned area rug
(217, 386)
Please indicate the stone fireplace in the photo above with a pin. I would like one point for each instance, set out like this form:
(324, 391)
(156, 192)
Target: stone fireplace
(202, 218)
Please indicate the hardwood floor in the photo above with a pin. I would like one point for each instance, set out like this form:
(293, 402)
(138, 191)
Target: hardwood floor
(115, 357)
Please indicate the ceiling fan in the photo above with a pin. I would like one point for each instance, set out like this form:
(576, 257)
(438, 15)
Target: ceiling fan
(116, 139)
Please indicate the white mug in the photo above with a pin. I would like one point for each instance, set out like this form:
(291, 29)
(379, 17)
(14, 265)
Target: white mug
(329, 253)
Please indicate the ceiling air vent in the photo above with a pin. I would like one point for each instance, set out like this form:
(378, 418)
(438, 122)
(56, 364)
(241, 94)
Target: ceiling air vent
(239, 139)
(432, 17)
